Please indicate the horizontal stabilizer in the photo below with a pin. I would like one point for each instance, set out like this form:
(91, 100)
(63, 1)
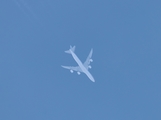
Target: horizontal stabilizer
(68, 51)
(71, 49)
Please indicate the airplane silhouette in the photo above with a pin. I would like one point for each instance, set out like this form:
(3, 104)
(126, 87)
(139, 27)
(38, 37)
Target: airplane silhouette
(82, 67)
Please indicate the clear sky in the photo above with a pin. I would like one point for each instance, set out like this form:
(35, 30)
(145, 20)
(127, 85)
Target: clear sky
(126, 39)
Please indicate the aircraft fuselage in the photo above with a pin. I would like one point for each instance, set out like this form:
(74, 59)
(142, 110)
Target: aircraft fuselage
(82, 66)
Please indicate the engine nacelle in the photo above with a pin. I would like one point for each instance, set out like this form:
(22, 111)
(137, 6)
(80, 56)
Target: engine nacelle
(71, 71)
(89, 66)
(91, 60)
(78, 73)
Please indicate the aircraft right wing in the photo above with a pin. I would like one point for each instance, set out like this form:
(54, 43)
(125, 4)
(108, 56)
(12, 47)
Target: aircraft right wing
(88, 60)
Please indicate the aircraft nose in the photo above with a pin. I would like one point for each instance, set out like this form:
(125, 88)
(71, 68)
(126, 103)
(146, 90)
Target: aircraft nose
(92, 80)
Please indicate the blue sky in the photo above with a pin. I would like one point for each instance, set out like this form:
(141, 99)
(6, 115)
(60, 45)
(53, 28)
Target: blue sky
(125, 36)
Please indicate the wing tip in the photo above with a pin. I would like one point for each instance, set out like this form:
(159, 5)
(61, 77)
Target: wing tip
(62, 66)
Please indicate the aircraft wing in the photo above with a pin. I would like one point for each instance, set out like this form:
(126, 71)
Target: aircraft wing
(88, 60)
(77, 68)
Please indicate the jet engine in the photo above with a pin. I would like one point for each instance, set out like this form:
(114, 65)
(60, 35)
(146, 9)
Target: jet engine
(91, 60)
(71, 71)
(78, 73)
(89, 66)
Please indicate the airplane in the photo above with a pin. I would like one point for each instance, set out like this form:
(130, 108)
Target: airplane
(82, 67)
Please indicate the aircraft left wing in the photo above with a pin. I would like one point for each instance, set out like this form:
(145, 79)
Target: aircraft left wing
(88, 60)
(77, 68)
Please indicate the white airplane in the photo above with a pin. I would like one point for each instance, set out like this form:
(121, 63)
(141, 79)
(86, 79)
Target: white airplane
(83, 67)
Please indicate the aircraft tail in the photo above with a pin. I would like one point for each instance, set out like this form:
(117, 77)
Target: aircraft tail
(71, 49)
